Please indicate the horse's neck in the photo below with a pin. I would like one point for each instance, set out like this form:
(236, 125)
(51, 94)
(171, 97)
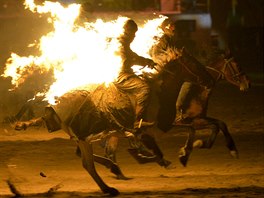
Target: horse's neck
(153, 106)
(216, 69)
(199, 101)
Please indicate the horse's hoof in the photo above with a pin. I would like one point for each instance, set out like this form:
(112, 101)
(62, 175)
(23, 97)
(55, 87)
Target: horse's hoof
(20, 126)
(78, 152)
(198, 144)
(182, 152)
(170, 166)
(117, 171)
(234, 154)
(122, 177)
(164, 162)
(183, 156)
(184, 160)
(111, 191)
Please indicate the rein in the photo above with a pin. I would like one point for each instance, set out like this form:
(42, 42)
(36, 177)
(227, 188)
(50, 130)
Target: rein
(174, 75)
(222, 71)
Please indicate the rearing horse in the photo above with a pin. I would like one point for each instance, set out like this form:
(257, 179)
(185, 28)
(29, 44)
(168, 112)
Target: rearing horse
(223, 68)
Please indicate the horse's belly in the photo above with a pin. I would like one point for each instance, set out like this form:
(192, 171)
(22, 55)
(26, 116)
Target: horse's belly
(195, 109)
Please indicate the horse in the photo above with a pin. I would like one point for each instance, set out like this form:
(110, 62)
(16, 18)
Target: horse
(107, 111)
(76, 114)
(223, 68)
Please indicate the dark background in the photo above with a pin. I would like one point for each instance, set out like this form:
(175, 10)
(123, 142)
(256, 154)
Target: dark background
(20, 27)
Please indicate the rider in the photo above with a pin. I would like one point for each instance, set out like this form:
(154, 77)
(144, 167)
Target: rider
(127, 79)
(162, 54)
(139, 88)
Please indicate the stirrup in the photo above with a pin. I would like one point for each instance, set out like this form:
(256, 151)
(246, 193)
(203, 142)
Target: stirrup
(142, 123)
(142, 158)
(179, 115)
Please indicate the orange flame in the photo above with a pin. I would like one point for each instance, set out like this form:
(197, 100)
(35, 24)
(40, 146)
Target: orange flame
(79, 56)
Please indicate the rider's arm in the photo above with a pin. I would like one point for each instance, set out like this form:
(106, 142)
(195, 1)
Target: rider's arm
(140, 60)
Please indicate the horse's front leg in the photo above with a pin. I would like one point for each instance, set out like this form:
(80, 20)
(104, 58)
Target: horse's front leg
(138, 150)
(23, 125)
(185, 151)
(216, 125)
(88, 163)
(209, 142)
(152, 145)
(110, 146)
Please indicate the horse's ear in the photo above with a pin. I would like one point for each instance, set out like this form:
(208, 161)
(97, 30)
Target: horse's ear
(227, 53)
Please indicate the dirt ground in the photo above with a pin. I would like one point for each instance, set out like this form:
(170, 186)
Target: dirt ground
(26, 155)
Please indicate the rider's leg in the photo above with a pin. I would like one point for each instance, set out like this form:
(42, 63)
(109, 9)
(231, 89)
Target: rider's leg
(142, 94)
(181, 100)
(140, 90)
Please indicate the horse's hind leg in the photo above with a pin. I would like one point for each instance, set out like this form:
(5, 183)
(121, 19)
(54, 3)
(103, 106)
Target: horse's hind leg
(110, 164)
(138, 150)
(110, 146)
(88, 164)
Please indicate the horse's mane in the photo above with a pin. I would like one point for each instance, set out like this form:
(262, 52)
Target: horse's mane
(166, 56)
(206, 57)
(209, 55)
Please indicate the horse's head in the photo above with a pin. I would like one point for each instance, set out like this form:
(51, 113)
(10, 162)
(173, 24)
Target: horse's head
(234, 74)
(228, 69)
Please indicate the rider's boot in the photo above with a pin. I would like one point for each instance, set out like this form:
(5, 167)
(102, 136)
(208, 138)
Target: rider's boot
(181, 119)
(140, 122)
(179, 115)
(181, 104)
(139, 152)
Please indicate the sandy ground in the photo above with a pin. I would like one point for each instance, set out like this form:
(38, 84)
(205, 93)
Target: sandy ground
(209, 173)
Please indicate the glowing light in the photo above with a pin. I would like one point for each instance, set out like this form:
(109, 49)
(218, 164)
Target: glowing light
(78, 55)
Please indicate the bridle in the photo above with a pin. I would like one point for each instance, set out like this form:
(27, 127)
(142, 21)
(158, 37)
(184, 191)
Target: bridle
(227, 65)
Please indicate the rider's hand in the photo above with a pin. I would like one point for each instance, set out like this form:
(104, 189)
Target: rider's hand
(150, 63)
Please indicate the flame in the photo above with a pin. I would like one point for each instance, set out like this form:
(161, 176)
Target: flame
(146, 36)
(78, 55)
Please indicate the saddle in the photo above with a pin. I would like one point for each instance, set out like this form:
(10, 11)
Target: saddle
(116, 105)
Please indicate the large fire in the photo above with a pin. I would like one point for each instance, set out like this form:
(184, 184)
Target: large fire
(79, 55)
